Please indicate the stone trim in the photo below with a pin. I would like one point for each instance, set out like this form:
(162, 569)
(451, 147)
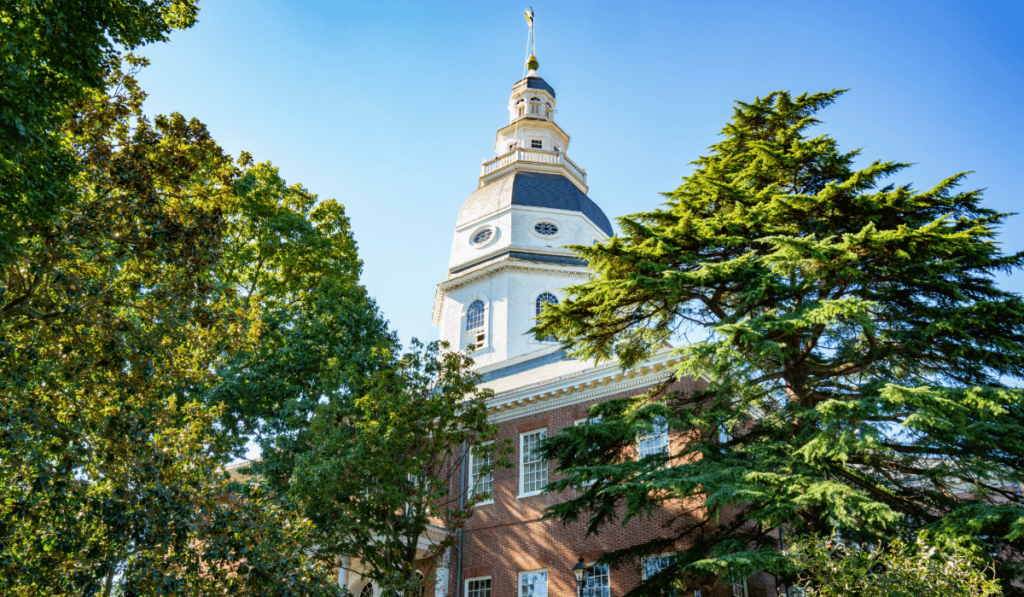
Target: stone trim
(580, 387)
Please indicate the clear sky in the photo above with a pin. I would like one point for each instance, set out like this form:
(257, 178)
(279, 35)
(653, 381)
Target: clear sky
(389, 107)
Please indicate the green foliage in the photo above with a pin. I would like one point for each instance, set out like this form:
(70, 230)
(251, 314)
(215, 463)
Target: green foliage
(375, 468)
(293, 260)
(830, 568)
(358, 437)
(855, 355)
(112, 320)
(53, 54)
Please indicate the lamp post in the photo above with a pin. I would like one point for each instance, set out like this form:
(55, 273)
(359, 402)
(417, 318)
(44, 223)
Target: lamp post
(581, 571)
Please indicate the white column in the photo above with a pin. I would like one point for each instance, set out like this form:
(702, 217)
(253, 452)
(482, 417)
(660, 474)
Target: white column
(343, 568)
(441, 576)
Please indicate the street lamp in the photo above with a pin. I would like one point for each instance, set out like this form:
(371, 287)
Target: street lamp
(581, 571)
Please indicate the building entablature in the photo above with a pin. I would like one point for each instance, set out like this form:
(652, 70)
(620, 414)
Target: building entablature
(597, 382)
(509, 263)
(524, 130)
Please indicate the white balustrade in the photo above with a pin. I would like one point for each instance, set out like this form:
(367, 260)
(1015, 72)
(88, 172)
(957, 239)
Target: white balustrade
(536, 156)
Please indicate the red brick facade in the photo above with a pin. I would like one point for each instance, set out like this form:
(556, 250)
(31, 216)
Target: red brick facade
(510, 536)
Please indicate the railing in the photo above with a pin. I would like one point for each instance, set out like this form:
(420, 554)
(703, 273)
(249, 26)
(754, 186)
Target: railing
(536, 156)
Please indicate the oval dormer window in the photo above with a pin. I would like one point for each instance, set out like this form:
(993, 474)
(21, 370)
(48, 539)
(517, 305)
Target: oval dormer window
(483, 236)
(545, 229)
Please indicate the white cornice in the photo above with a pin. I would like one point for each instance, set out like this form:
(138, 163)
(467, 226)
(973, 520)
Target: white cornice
(605, 380)
(469, 265)
(528, 122)
(503, 265)
(507, 264)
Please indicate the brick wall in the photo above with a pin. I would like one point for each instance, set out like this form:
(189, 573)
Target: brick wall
(510, 536)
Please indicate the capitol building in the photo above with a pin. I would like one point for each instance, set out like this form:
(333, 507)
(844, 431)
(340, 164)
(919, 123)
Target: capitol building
(508, 259)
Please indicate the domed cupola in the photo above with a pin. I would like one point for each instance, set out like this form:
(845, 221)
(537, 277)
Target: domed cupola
(509, 254)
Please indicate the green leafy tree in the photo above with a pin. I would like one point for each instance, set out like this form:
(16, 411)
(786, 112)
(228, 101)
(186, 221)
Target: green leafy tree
(856, 355)
(358, 437)
(384, 465)
(831, 568)
(294, 263)
(375, 467)
(52, 54)
(112, 322)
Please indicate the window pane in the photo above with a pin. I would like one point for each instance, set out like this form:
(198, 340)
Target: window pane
(657, 441)
(482, 236)
(479, 482)
(739, 587)
(480, 587)
(533, 584)
(546, 229)
(475, 315)
(598, 584)
(534, 469)
(545, 297)
(655, 564)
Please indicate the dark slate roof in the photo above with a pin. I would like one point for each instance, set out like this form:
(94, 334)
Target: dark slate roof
(524, 256)
(525, 366)
(556, 192)
(538, 83)
(533, 189)
(541, 258)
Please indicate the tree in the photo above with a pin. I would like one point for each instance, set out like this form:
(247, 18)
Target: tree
(375, 471)
(53, 54)
(856, 358)
(830, 568)
(294, 263)
(112, 322)
(357, 436)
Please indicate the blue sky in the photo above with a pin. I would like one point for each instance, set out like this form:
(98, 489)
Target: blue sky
(389, 107)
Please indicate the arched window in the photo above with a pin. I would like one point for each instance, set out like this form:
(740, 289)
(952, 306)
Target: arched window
(367, 590)
(542, 298)
(545, 297)
(535, 106)
(476, 335)
(423, 584)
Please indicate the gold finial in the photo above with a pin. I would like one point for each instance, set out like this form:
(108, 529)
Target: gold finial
(532, 63)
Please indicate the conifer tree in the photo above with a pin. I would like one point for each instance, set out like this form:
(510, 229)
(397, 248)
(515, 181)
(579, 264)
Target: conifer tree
(860, 359)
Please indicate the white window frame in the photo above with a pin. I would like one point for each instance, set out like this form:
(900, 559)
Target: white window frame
(741, 585)
(547, 220)
(588, 590)
(587, 421)
(490, 589)
(472, 478)
(519, 579)
(536, 143)
(643, 566)
(660, 449)
(522, 468)
(474, 333)
(486, 243)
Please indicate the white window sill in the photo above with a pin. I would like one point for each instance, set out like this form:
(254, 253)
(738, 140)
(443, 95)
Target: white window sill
(531, 494)
(484, 504)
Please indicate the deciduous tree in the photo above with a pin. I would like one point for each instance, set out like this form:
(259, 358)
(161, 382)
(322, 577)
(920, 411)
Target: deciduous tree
(113, 319)
(52, 54)
(833, 568)
(376, 468)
